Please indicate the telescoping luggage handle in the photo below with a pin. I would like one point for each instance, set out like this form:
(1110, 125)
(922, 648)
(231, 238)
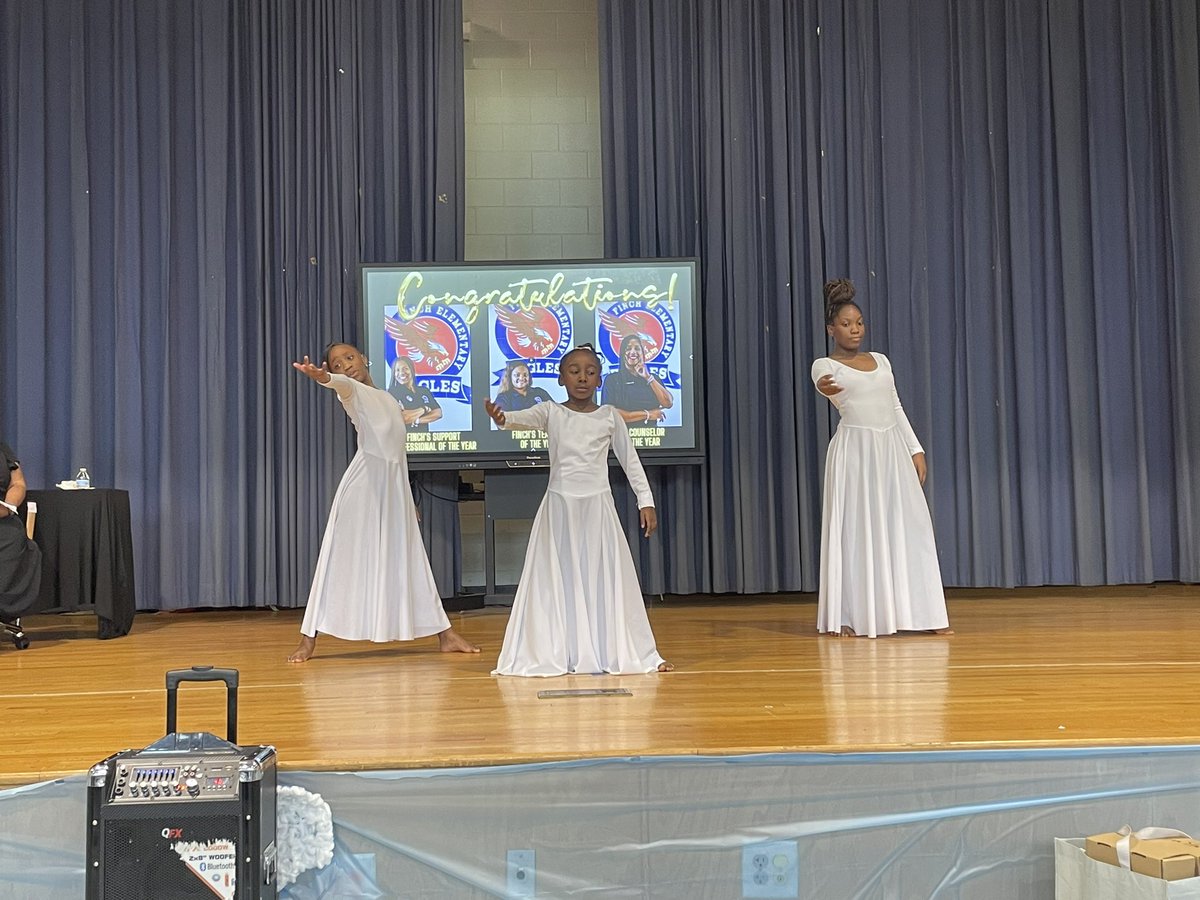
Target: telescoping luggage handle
(205, 673)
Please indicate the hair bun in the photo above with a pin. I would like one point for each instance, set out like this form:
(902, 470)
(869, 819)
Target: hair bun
(839, 290)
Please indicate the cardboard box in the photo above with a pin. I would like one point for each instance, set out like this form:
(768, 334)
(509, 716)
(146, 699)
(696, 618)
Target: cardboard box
(1103, 847)
(1167, 858)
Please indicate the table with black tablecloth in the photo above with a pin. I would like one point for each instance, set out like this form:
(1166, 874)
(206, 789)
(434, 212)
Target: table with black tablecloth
(87, 555)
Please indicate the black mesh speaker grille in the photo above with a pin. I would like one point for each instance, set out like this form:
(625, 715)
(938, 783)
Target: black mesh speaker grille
(140, 864)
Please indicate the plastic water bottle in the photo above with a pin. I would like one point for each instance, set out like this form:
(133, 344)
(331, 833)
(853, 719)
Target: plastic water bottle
(83, 479)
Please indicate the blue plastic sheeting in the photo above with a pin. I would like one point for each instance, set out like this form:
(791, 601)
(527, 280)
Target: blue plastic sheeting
(945, 824)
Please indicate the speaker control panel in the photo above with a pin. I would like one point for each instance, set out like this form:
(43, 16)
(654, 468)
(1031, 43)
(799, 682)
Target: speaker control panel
(149, 780)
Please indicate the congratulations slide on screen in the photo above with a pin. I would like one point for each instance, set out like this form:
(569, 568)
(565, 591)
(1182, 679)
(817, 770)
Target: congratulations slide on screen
(451, 335)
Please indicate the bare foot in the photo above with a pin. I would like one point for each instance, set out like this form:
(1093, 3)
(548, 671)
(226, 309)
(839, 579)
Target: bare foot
(304, 650)
(943, 631)
(666, 667)
(450, 641)
(847, 631)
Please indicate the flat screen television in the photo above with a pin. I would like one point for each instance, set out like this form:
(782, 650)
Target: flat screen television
(446, 335)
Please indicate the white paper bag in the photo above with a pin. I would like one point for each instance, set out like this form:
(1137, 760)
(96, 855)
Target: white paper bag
(1079, 877)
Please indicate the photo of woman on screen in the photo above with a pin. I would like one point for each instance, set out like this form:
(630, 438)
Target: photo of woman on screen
(633, 389)
(420, 407)
(516, 391)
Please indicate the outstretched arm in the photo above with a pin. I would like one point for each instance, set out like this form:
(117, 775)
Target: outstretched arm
(531, 419)
(322, 376)
(822, 376)
(319, 374)
(496, 412)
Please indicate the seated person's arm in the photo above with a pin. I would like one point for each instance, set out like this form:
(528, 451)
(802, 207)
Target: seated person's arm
(15, 495)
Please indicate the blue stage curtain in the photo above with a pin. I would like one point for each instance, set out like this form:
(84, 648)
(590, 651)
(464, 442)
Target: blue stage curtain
(1013, 186)
(186, 190)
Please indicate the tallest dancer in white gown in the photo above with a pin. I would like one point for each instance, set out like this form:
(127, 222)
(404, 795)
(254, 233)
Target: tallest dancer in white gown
(879, 565)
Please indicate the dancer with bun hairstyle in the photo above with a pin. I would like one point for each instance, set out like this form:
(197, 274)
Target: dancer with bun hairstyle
(879, 565)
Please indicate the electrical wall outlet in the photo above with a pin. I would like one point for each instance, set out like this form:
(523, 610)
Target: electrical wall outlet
(770, 870)
(522, 876)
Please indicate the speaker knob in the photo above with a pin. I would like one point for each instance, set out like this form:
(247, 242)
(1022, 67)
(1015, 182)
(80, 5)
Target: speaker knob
(193, 787)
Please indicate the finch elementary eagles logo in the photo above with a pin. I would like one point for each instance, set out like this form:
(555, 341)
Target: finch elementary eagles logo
(537, 333)
(654, 326)
(437, 341)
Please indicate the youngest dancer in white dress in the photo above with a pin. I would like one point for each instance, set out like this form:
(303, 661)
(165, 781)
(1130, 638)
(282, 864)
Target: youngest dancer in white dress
(579, 607)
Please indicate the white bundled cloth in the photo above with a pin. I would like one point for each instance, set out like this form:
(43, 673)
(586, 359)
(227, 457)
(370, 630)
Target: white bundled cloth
(303, 833)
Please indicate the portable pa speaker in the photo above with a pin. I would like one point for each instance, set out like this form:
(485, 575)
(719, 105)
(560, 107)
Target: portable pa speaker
(191, 815)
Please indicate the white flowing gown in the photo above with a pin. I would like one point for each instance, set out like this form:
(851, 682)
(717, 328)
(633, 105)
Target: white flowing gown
(879, 565)
(579, 607)
(373, 581)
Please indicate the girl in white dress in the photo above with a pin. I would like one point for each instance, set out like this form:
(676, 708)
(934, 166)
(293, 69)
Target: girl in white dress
(879, 565)
(373, 581)
(579, 607)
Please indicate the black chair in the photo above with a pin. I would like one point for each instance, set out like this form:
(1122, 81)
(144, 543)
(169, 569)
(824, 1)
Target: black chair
(12, 628)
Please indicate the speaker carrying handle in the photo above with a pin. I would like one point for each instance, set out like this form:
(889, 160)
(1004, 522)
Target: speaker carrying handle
(204, 673)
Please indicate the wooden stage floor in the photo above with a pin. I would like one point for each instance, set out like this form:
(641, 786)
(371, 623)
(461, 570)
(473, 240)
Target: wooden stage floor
(1030, 668)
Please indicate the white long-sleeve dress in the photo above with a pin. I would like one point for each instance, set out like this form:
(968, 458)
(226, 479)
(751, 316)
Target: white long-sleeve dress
(373, 581)
(879, 565)
(579, 607)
